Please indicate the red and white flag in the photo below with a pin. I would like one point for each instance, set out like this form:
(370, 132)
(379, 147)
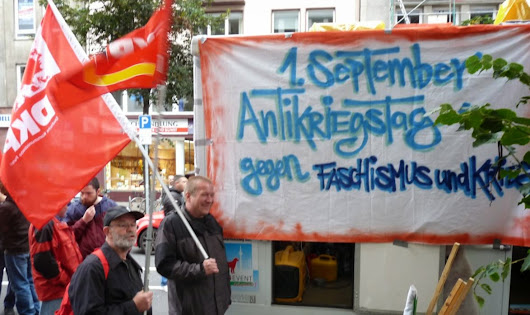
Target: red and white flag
(136, 60)
(52, 151)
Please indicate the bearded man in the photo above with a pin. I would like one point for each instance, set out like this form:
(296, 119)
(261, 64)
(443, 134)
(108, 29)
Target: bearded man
(120, 292)
(86, 217)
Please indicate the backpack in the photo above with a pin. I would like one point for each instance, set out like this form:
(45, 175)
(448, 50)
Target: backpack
(66, 307)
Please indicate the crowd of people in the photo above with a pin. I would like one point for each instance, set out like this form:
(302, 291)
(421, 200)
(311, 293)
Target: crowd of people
(80, 263)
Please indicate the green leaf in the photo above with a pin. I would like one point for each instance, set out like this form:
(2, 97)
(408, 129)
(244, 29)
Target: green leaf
(448, 116)
(495, 277)
(511, 174)
(506, 268)
(486, 288)
(492, 124)
(480, 270)
(520, 135)
(480, 300)
(525, 189)
(473, 64)
(526, 262)
(486, 62)
(522, 120)
(527, 157)
(499, 64)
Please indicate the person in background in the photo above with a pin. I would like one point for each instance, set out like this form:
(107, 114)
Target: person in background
(86, 217)
(9, 300)
(176, 188)
(121, 292)
(14, 230)
(55, 257)
(202, 285)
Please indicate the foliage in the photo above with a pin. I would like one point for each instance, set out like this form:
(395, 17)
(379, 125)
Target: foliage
(96, 23)
(483, 19)
(504, 127)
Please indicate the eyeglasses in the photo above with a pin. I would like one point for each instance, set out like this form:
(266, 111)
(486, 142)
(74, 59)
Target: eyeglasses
(124, 225)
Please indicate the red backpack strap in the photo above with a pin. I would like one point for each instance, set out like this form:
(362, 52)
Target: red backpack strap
(99, 253)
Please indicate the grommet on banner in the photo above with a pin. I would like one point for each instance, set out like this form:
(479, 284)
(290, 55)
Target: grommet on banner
(288, 35)
(401, 243)
(497, 245)
(203, 142)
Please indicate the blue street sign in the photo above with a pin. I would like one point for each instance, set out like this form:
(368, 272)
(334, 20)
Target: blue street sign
(144, 122)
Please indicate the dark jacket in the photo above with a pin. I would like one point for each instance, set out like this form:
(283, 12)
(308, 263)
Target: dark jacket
(179, 259)
(54, 258)
(179, 198)
(14, 228)
(89, 236)
(91, 293)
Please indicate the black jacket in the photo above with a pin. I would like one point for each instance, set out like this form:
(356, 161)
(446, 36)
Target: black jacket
(178, 258)
(179, 198)
(14, 228)
(90, 293)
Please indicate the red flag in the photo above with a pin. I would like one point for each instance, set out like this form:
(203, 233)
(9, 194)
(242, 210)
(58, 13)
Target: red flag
(136, 60)
(51, 152)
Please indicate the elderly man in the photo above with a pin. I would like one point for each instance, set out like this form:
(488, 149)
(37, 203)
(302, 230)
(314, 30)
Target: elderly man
(202, 285)
(120, 291)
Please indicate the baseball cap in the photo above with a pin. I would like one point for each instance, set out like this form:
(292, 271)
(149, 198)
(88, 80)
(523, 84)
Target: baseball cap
(116, 212)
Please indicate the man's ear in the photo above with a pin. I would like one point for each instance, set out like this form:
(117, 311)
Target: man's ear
(106, 230)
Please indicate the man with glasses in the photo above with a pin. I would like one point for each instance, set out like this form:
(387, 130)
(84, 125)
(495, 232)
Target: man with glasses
(86, 217)
(120, 292)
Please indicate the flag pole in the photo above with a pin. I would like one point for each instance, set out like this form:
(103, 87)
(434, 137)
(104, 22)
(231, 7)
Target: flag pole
(178, 210)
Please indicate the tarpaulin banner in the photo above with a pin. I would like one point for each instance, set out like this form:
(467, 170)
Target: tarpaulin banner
(325, 137)
(136, 60)
(50, 153)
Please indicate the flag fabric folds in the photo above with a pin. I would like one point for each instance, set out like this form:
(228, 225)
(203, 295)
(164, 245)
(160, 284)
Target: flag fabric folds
(136, 60)
(52, 151)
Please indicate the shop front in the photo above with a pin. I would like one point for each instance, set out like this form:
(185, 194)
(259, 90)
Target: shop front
(173, 136)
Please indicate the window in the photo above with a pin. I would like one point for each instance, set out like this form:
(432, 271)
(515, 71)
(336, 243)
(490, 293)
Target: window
(24, 18)
(313, 274)
(319, 16)
(20, 75)
(414, 16)
(483, 11)
(285, 21)
(135, 104)
(233, 24)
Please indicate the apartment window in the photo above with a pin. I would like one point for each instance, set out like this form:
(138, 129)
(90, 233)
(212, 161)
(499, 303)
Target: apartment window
(319, 16)
(24, 17)
(233, 24)
(286, 21)
(313, 274)
(20, 75)
(483, 11)
(415, 16)
(135, 104)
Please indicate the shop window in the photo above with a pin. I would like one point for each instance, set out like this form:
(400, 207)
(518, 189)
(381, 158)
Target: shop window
(483, 11)
(24, 18)
(313, 274)
(125, 171)
(135, 103)
(285, 21)
(189, 157)
(319, 16)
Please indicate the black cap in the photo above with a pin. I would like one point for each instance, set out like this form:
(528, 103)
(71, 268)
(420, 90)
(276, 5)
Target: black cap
(118, 211)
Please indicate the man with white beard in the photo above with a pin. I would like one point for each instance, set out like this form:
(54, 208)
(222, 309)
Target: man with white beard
(120, 292)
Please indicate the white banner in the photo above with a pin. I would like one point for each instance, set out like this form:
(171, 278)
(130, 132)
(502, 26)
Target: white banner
(323, 136)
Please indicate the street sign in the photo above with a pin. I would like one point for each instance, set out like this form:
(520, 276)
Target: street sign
(144, 132)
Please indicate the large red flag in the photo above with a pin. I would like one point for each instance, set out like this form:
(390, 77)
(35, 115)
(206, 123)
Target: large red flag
(136, 60)
(51, 152)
